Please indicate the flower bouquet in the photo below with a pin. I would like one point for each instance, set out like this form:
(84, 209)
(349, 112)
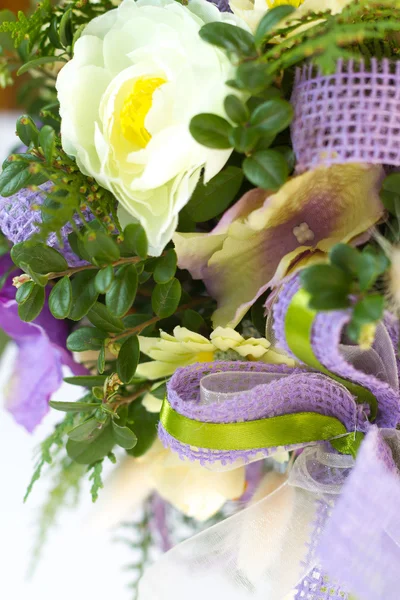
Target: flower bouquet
(200, 230)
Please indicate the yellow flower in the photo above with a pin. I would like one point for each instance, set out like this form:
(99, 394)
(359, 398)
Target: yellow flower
(252, 11)
(186, 347)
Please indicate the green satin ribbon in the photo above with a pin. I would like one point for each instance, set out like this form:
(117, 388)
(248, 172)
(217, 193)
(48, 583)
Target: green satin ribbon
(298, 328)
(285, 430)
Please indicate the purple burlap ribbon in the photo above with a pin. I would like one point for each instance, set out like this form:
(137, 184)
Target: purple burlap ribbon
(357, 536)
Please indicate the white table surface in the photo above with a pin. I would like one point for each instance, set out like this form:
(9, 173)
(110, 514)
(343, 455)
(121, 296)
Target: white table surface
(77, 563)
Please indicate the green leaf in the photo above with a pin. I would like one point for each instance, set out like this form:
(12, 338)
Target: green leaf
(122, 292)
(52, 32)
(84, 295)
(391, 201)
(85, 338)
(270, 20)
(253, 77)
(193, 320)
(329, 300)
(14, 177)
(123, 436)
(165, 298)
(41, 280)
(128, 359)
(135, 241)
(37, 63)
(212, 199)
(104, 279)
(40, 258)
(24, 292)
(244, 139)
(144, 426)
(86, 380)
(32, 306)
(211, 131)
(371, 266)
(101, 248)
(102, 318)
(85, 431)
(369, 309)
(101, 360)
(60, 299)
(346, 258)
(166, 267)
(236, 110)
(6, 41)
(65, 30)
(272, 116)
(27, 131)
(266, 169)
(326, 279)
(231, 38)
(47, 141)
(87, 453)
(78, 407)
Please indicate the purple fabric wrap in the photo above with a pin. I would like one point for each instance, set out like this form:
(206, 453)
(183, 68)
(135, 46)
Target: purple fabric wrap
(351, 116)
(298, 391)
(42, 352)
(328, 347)
(18, 221)
(317, 585)
(360, 545)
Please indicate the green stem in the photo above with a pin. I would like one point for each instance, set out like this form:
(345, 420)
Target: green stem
(73, 270)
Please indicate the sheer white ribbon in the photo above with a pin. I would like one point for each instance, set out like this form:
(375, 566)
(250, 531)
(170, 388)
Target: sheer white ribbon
(259, 553)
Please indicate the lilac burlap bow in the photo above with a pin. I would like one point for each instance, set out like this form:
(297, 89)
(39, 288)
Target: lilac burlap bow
(262, 552)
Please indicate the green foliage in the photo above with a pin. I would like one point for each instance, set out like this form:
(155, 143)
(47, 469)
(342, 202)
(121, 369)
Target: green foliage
(32, 305)
(266, 169)
(103, 319)
(128, 359)
(39, 257)
(211, 131)
(49, 448)
(348, 282)
(165, 267)
(84, 295)
(93, 448)
(270, 21)
(144, 426)
(85, 338)
(60, 299)
(211, 199)
(166, 297)
(95, 477)
(235, 40)
(122, 292)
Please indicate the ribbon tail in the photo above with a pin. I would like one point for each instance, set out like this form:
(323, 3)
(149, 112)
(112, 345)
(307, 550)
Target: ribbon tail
(256, 554)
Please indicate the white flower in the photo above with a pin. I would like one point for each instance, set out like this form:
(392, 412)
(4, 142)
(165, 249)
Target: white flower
(252, 11)
(191, 488)
(139, 74)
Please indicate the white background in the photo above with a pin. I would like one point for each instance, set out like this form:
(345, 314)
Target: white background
(79, 562)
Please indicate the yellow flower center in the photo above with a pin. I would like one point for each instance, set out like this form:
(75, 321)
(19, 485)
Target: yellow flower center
(273, 3)
(135, 109)
(205, 356)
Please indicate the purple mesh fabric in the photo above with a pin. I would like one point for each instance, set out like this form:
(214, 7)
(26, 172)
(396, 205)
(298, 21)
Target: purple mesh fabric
(360, 545)
(297, 392)
(18, 221)
(350, 116)
(326, 337)
(316, 585)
